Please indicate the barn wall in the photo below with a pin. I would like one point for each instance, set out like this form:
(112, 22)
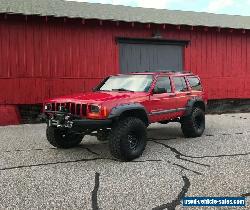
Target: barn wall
(42, 58)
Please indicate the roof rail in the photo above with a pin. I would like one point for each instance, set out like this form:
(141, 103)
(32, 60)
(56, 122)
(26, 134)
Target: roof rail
(181, 72)
(168, 71)
(164, 71)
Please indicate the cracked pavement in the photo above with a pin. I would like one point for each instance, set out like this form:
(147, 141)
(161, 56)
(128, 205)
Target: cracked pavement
(34, 175)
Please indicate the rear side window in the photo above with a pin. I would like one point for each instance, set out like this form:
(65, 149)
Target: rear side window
(180, 84)
(195, 83)
(162, 85)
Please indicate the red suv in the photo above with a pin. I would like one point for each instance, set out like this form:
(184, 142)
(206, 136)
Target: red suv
(122, 106)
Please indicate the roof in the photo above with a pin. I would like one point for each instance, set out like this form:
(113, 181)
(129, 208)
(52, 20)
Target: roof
(71, 9)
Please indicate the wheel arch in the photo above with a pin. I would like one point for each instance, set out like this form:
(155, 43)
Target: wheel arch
(138, 113)
(130, 110)
(198, 102)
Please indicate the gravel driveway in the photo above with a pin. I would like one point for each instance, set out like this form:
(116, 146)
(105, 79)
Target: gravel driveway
(34, 175)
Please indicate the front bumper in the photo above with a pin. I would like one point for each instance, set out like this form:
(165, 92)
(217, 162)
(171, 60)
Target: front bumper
(66, 120)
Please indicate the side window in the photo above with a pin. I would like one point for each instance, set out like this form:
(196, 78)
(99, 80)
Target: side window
(162, 85)
(180, 84)
(195, 83)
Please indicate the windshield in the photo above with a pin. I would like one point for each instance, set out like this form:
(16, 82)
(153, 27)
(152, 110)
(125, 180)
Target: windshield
(134, 83)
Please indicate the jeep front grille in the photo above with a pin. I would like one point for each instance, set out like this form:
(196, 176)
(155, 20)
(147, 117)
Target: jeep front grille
(73, 108)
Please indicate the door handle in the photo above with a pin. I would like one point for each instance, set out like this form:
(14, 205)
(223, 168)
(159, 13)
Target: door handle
(172, 95)
(188, 94)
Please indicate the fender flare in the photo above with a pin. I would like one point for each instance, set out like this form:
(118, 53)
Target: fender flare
(120, 109)
(191, 103)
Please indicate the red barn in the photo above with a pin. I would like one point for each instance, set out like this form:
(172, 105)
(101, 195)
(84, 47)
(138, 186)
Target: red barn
(50, 48)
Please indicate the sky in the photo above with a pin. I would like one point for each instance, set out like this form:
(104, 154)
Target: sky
(232, 7)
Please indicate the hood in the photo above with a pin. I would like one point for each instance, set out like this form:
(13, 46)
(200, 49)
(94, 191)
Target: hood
(96, 97)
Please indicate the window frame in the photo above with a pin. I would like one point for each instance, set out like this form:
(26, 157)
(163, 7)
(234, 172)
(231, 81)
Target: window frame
(187, 84)
(193, 76)
(157, 79)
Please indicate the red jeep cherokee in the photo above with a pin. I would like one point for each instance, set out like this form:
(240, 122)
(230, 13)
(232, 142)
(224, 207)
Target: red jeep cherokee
(121, 107)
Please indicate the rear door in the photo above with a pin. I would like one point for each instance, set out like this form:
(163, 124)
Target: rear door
(182, 93)
(162, 100)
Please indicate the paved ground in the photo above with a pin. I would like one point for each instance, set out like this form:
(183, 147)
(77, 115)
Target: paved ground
(34, 175)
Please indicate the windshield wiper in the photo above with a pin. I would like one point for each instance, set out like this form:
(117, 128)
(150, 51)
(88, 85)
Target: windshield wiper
(122, 89)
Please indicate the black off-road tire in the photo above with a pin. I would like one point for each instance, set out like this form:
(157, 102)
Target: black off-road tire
(62, 139)
(128, 139)
(193, 125)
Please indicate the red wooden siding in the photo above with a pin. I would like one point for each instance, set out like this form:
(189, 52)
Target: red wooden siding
(40, 59)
